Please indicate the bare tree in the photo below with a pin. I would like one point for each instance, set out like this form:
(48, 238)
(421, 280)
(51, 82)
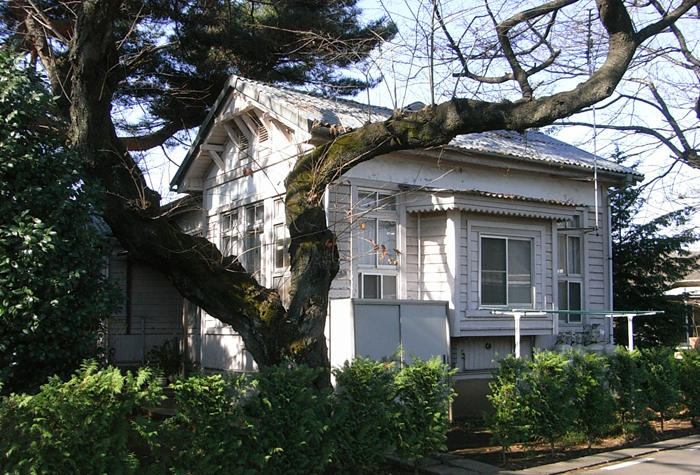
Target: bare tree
(88, 65)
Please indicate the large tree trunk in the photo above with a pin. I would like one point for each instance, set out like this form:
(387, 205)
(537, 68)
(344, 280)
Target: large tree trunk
(195, 266)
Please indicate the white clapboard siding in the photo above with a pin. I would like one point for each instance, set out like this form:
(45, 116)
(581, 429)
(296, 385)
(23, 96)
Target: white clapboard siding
(434, 267)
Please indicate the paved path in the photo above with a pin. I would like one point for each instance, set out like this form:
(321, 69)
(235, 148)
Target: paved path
(446, 464)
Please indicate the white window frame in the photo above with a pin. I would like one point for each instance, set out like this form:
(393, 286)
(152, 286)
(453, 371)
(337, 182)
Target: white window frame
(375, 257)
(255, 229)
(280, 274)
(229, 224)
(569, 273)
(507, 273)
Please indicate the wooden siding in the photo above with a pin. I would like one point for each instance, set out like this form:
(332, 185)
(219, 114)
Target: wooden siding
(155, 312)
(339, 203)
(480, 355)
(434, 268)
(410, 262)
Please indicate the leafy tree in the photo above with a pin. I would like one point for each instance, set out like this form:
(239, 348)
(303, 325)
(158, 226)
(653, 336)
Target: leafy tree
(103, 53)
(689, 369)
(549, 396)
(627, 379)
(509, 422)
(53, 295)
(647, 259)
(663, 382)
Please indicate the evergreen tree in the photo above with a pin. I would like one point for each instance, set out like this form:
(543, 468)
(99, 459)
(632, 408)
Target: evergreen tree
(647, 259)
(53, 295)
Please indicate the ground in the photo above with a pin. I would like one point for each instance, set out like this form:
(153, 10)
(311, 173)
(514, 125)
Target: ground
(471, 440)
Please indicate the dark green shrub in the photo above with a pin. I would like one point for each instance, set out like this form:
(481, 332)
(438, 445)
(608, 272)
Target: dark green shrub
(78, 426)
(364, 414)
(549, 396)
(689, 368)
(166, 357)
(586, 374)
(208, 433)
(290, 419)
(53, 292)
(627, 379)
(509, 422)
(663, 382)
(424, 392)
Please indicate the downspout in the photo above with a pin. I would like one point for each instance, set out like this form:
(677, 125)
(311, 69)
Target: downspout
(608, 223)
(420, 258)
(129, 278)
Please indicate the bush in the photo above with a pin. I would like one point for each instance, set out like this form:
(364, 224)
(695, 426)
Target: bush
(549, 396)
(364, 415)
(586, 374)
(207, 434)
(509, 423)
(290, 419)
(689, 374)
(275, 422)
(424, 392)
(662, 383)
(627, 379)
(78, 426)
(53, 291)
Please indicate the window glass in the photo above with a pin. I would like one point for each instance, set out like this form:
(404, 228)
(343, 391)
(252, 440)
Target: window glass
(254, 214)
(519, 272)
(371, 286)
(279, 209)
(561, 254)
(386, 202)
(229, 233)
(281, 246)
(506, 271)
(570, 298)
(570, 287)
(386, 239)
(389, 287)
(575, 301)
(366, 241)
(253, 252)
(366, 200)
(574, 254)
(375, 244)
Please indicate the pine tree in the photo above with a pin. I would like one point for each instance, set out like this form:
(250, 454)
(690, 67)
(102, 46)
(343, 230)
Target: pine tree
(647, 259)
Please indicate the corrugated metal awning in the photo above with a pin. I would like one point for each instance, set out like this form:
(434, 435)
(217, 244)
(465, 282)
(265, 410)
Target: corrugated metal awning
(477, 201)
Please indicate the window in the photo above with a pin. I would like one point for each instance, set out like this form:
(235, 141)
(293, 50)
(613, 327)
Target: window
(229, 233)
(376, 245)
(253, 239)
(378, 286)
(570, 286)
(280, 272)
(506, 271)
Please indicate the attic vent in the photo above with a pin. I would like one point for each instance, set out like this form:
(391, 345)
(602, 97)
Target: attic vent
(261, 131)
(242, 141)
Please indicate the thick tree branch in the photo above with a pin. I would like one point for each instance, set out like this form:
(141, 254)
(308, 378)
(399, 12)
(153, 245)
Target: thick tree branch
(219, 285)
(157, 138)
(504, 28)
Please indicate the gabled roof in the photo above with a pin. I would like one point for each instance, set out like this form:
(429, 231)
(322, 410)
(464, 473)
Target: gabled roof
(306, 111)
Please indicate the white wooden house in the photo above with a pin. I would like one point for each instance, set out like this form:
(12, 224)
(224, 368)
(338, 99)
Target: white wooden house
(431, 241)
